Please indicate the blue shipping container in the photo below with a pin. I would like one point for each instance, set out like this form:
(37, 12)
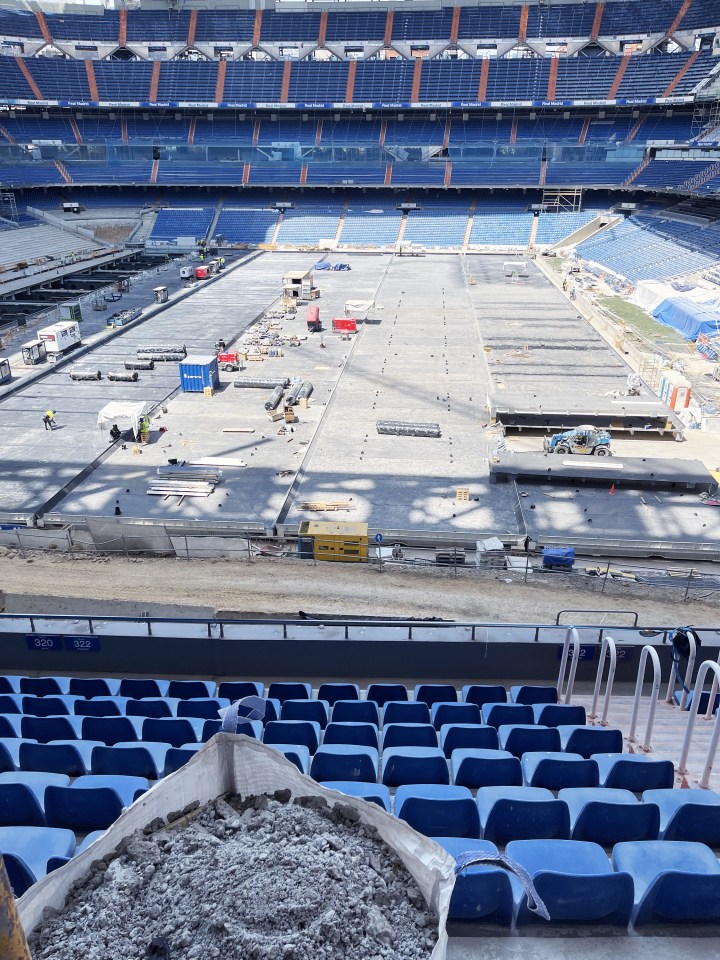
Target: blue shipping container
(199, 372)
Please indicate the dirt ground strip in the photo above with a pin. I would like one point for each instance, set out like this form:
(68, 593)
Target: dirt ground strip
(268, 587)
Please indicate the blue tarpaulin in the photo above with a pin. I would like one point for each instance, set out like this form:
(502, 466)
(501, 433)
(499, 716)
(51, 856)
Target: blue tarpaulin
(558, 556)
(324, 265)
(690, 319)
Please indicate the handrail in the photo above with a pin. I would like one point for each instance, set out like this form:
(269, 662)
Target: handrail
(647, 651)
(688, 674)
(712, 749)
(713, 694)
(607, 644)
(631, 613)
(571, 636)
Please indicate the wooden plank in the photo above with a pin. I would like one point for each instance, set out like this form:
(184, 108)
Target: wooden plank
(238, 429)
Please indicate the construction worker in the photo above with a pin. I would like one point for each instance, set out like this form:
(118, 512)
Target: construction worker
(49, 420)
(222, 263)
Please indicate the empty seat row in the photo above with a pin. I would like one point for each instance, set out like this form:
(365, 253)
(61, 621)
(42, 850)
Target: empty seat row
(32, 852)
(108, 730)
(144, 758)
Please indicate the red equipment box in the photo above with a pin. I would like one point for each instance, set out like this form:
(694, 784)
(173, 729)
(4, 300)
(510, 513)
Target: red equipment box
(344, 325)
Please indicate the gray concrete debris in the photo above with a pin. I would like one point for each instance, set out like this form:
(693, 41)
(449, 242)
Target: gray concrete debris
(256, 878)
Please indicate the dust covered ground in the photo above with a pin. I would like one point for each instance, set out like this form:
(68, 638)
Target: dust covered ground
(42, 582)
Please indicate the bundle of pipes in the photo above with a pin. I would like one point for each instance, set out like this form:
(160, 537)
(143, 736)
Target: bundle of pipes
(160, 356)
(152, 348)
(275, 398)
(261, 383)
(123, 376)
(186, 472)
(179, 488)
(85, 375)
(139, 364)
(399, 428)
(305, 390)
(295, 387)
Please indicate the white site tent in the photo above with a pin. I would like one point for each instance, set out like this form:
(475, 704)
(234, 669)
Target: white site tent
(127, 414)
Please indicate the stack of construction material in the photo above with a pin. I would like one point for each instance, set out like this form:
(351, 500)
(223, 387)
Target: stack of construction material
(184, 481)
(399, 428)
(261, 383)
(490, 553)
(162, 351)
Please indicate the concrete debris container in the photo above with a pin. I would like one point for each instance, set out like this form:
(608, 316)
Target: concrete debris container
(198, 372)
(241, 765)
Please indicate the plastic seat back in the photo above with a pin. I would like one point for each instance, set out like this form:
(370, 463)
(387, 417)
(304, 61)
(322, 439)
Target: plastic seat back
(459, 736)
(438, 810)
(372, 792)
(44, 729)
(344, 762)
(521, 813)
(480, 693)
(109, 730)
(500, 714)
(238, 689)
(332, 692)
(355, 711)
(431, 693)
(305, 732)
(444, 713)
(316, 710)
(151, 707)
(401, 765)
(289, 690)
(523, 738)
(101, 707)
(409, 735)
(176, 732)
(382, 693)
(527, 693)
(398, 711)
(485, 768)
(482, 893)
(82, 810)
(191, 689)
(607, 816)
(589, 740)
(361, 734)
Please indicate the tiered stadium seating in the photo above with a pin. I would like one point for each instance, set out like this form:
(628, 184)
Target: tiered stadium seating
(370, 226)
(554, 227)
(247, 226)
(308, 225)
(437, 226)
(171, 224)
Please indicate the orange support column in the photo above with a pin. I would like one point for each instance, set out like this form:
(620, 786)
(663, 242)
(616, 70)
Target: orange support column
(246, 174)
(552, 79)
(388, 175)
(597, 20)
(383, 133)
(448, 174)
(154, 82)
(446, 137)
(220, 84)
(484, 71)
(44, 29)
(122, 33)
(285, 89)
(257, 28)
(387, 40)
(191, 130)
(192, 27)
(455, 25)
(322, 32)
(678, 19)
(524, 11)
(417, 73)
(584, 131)
(92, 82)
(350, 87)
(76, 131)
(256, 132)
(680, 74)
(513, 131)
(612, 92)
(25, 70)
(124, 131)
(303, 175)
(318, 133)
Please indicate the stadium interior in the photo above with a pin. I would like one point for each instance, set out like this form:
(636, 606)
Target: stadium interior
(509, 214)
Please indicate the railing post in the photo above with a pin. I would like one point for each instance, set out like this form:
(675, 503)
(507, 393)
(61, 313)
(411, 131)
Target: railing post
(647, 651)
(712, 749)
(571, 636)
(607, 643)
(688, 673)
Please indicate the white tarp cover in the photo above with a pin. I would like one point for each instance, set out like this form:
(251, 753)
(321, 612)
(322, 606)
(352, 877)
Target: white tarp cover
(124, 413)
(649, 293)
(356, 308)
(239, 764)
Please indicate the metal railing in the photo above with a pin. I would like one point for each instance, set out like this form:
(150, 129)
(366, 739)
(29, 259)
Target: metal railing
(674, 674)
(647, 651)
(608, 647)
(571, 636)
(705, 667)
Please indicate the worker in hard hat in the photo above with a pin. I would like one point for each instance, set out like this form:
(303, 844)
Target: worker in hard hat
(49, 419)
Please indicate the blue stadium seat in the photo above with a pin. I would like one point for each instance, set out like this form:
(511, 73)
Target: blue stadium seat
(134, 759)
(27, 852)
(438, 810)
(55, 862)
(481, 694)
(398, 711)
(287, 690)
(10, 752)
(152, 707)
(109, 730)
(137, 688)
(575, 881)
(558, 770)
(558, 714)
(177, 757)
(339, 761)
(91, 803)
(70, 757)
(102, 707)
(249, 728)
(692, 815)
(239, 689)
(675, 882)
(332, 692)
(431, 693)
(355, 711)
(522, 738)
(22, 797)
(521, 813)
(90, 687)
(500, 714)
(175, 732)
(44, 686)
(456, 736)
(527, 693)
(44, 729)
(362, 734)
(202, 708)
(402, 765)
(634, 771)
(9, 684)
(316, 710)
(382, 693)
(305, 732)
(443, 713)
(485, 768)
(209, 729)
(11, 703)
(11, 725)
(372, 792)
(296, 753)
(56, 706)
(607, 816)
(408, 735)
(589, 740)
(482, 893)
(191, 689)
